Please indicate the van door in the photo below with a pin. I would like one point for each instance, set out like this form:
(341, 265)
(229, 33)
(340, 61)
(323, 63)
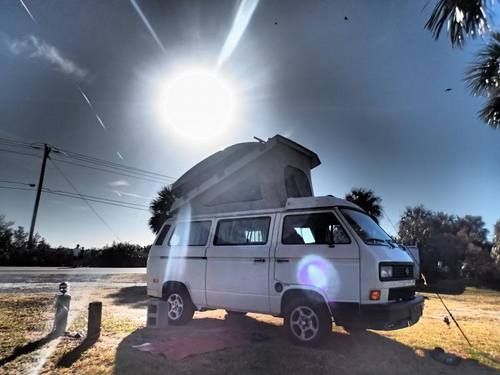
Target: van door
(238, 264)
(306, 255)
(185, 259)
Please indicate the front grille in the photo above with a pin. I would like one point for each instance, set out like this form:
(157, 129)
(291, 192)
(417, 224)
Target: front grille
(402, 272)
(401, 294)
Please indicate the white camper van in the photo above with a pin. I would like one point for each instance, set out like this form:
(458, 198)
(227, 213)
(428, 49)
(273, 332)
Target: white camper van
(315, 260)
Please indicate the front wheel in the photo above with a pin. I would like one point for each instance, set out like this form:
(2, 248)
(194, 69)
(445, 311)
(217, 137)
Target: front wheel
(180, 309)
(307, 323)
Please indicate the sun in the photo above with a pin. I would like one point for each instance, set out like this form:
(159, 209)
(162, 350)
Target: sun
(198, 104)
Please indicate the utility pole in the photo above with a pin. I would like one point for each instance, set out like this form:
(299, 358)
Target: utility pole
(46, 152)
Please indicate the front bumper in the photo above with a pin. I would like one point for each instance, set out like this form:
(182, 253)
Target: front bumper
(387, 316)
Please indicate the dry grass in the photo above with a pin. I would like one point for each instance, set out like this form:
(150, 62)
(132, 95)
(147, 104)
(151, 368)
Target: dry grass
(370, 352)
(23, 318)
(477, 312)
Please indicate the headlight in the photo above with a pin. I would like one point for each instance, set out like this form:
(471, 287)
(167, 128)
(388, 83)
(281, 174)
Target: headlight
(385, 272)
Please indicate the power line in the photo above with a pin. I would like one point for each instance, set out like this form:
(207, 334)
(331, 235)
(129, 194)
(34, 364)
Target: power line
(116, 167)
(14, 142)
(16, 183)
(109, 171)
(19, 153)
(67, 193)
(15, 188)
(75, 196)
(125, 205)
(85, 200)
(102, 162)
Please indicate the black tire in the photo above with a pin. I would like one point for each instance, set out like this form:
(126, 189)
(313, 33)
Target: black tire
(307, 322)
(180, 309)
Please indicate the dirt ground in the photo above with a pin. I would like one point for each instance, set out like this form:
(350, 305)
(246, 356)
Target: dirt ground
(27, 319)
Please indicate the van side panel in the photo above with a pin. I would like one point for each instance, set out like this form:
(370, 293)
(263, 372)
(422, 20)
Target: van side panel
(185, 264)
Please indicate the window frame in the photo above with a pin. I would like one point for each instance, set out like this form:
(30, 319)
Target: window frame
(284, 216)
(162, 234)
(174, 227)
(217, 227)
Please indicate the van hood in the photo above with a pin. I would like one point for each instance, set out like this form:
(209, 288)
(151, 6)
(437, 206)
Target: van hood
(386, 254)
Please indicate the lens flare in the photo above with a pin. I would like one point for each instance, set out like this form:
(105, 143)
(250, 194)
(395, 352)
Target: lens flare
(315, 271)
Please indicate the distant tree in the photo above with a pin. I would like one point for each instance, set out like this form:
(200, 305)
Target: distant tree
(414, 226)
(495, 251)
(367, 200)
(160, 207)
(6, 233)
(20, 238)
(450, 246)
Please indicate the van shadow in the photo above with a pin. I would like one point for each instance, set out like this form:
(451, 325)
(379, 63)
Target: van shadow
(264, 349)
(133, 296)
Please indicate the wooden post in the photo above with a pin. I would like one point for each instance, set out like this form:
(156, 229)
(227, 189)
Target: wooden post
(94, 321)
(62, 310)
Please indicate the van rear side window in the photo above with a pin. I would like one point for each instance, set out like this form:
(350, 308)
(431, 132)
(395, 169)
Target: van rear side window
(190, 234)
(162, 235)
(247, 231)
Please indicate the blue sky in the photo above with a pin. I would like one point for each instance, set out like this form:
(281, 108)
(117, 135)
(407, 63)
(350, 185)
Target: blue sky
(366, 93)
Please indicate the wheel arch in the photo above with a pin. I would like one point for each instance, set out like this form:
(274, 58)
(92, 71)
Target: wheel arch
(174, 285)
(301, 292)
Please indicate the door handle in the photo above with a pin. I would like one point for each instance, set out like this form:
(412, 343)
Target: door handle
(259, 260)
(282, 260)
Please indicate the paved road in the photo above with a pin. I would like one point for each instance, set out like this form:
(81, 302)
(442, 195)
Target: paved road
(70, 271)
(46, 279)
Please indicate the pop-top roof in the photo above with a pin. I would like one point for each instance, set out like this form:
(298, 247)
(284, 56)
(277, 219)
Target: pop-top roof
(235, 155)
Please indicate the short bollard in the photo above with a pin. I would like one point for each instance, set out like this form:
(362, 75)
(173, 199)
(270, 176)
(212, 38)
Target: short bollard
(62, 309)
(94, 321)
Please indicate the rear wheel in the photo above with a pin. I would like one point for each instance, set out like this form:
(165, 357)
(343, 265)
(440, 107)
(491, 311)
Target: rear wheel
(307, 323)
(180, 309)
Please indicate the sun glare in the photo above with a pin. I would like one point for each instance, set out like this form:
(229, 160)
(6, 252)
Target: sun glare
(197, 104)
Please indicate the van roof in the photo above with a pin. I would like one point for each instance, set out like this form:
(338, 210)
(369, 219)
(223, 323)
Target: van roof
(291, 205)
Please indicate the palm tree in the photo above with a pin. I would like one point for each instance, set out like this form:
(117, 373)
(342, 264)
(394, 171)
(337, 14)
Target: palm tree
(483, 78)
(367, 200)
(469, 19)
(462, 18)
(160, 207)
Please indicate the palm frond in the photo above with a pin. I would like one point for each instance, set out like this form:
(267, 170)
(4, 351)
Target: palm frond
(464, 18)
(483, 76)
(491, 112)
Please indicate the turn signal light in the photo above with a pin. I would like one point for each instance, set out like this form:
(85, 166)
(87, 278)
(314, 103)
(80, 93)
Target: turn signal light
(374, 295)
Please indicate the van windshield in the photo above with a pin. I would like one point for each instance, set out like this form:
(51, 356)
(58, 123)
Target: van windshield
(366, 228)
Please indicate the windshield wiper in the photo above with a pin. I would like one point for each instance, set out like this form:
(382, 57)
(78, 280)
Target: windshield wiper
(391, 244)
(376, 240)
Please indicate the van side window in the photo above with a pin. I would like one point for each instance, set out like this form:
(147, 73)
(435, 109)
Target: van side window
(319, 228)
(296, 183)
(163, 232)
(247, 231)
(190, 234)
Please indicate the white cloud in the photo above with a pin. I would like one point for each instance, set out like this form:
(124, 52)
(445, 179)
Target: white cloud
(119, 183)
(38, 49)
